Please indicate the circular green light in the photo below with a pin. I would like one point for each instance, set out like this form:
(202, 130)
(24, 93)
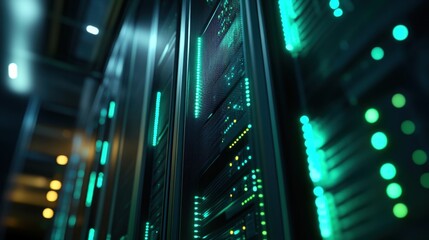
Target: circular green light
(419, 157)
(334, 4)
(304, 119)
(398, 100)
(408, 127)
(424, 180)
(371, 115)
(394, 190)
(318, 191)
(264, 233)
(400, 32)
(400, 210)
(377, 53)
(379, 140)
(388, 171)
(338, 12)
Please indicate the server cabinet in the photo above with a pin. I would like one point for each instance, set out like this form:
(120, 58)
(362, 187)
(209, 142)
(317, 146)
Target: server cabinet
(361, 96)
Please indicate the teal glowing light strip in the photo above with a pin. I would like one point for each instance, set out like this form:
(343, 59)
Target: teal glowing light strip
(100, 180)
(104, 153)
(247, 89)
(156, 121)
(197, 217)
(112, 107)
(91, 186)
(198, 78)
(324, 204)
(315, 163)
(103, 113)
(91, 234)
(290, 27)
(146, 231)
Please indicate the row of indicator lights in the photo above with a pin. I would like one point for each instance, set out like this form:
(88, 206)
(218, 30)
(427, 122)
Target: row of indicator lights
(241, 136)
(197, 219)
(54, 186)
(419, 156)
(247, 200)
(243, 163)
(258, 182)
(230, 125)
(198, 78)
(288, 17)
(379, 141)
(156, 120)
(335, 6)
(314, 160)
(247, 91)
(324, 204)
(399, 33)
(146, 232)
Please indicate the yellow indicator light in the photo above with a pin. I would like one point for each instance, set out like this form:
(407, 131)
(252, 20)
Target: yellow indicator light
(48, 213)
(52, 196)
(235, 120)
(244, 227)
(55, 185)
(236, 158)
(231, 232)
(62, 160)
(230, 164)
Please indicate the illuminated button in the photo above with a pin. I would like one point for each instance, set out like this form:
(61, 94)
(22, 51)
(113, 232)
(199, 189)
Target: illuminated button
(52, 196)
(394, 190)
(388, 171)
(419, 157)
(400, 32)
(377, 53)
(371, 115)
(400, 210)
(48, 213)
(398, 100)
(62, 160)
(55, 185)
(408, 127)
(424, 180)
(379, 140)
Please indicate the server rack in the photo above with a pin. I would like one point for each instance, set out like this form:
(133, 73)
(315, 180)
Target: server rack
(257, 120)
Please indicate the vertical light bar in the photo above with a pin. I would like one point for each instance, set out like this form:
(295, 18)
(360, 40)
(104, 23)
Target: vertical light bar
(112, 107)
(13, 71)
(104, 153)
(247, 91)
(100, 180)
(198, 78)
(91, 186)
(290, 27)
(197, 217)
(146, 231)
(91, 234)
(315, 162)
(103, 113)
(156, 121)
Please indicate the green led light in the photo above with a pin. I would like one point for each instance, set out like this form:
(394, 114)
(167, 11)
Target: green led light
(112, 107)
(424, 180)
(408, 127)
(103, 114)
(156, 120)
(338, 12)
(100, 180)
(379, 140)
(98, 145)
(318, 191)
(263, 223)
(400, 32)
(290, 27)
(388, 171)
(72, 221)
(198, 78)
(264, 233)
(334, 4)
(394, 190)
(377, 53)
(304, 119)
(398, 100)
(419, 157)
(371, 115)
(91, 234)
(400, 210)
(91, 186)
(104, 153)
